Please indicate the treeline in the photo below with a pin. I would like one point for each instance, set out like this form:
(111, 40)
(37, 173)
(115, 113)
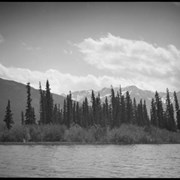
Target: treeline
(121, 109)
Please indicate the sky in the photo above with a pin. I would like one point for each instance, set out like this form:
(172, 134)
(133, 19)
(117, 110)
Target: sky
(91, 45)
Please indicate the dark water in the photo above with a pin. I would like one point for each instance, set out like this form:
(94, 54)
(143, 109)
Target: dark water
(90, 161)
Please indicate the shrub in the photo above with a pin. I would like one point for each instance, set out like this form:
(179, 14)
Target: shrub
(125, 134)
(52, 132)
(15, 134)
(75, 134)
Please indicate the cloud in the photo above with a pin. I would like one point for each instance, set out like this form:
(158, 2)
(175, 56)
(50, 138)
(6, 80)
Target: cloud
(134, 60)
(59, 82)
(29, 47)
(67, 51)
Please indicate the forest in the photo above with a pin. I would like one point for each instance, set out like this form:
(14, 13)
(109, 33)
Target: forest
(120, 120)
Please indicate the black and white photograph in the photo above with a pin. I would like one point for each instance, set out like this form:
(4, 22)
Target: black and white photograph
(90, 89)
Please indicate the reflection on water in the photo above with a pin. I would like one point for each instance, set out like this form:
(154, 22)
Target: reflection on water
(90, 161)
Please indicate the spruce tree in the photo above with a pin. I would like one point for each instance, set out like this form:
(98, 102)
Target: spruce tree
(42, 104)
(74, 112)
(123, 109)
(104, 116)
(153, 112)
(29, 114)
(140, 113)
(22, 117)
(59, 111)
(170, 114)
(106, 113)
(134, 112)
(177, 111)
(145, 115)
(78, 121)
(85, 112)
(69, 110)
(33, 117)
(159, 111)
(128, 108)
(65, 112)
(93, 101)
(113, 106)
(55, 114)
(49, 104)
(118, 111)
(8, 119)
(98, 110)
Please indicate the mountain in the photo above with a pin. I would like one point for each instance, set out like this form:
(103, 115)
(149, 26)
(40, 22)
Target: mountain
(133, 90)
(17, 94)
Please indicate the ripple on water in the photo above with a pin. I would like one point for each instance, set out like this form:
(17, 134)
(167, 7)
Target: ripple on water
(90, 161)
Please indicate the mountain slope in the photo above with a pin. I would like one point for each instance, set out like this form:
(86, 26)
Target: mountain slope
(16, 93)
(133, 90)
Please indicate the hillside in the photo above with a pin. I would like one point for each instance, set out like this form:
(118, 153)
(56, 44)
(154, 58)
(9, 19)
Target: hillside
(16, 93)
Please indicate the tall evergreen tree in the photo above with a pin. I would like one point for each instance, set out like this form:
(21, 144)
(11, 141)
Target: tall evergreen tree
(49, 104)
(113, 106)
(123, 109)
(134, 112)
(98, 110)
(78, 121)
(33, 117)
(65, 112)
(55, 114)
(42, 104)
(8, 119)
(93, 101)
(30, 115)
(74, 112)
(153, 112)
(22, 117)
(145, 115)
(69, 110)
(118, 110)
(140, 113)
(177, 111)
(128, 108)
(170, 114)
(106, 113)
(85, 111)
(59, 114)
(160, 112)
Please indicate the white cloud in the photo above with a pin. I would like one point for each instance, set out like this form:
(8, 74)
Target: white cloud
(67, 51)
(29, 47)
(137, 61)
(59, 82)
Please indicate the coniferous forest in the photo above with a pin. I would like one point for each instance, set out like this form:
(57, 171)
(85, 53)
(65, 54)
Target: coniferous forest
(95, 120)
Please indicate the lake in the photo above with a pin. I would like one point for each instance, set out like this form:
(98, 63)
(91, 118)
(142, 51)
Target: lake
(122, 161)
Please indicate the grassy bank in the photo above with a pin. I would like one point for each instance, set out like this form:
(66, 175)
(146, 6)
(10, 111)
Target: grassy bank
(125, 134)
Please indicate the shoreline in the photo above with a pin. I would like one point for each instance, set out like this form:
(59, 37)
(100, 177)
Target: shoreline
(77, 143)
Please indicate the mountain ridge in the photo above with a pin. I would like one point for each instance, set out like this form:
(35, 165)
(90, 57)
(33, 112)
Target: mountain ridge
(134, 92)
(16, 93)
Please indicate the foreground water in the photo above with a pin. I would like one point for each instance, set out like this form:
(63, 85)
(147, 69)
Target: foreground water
(90, 161)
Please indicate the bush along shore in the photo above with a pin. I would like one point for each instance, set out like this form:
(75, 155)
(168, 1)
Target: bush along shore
(125, 134)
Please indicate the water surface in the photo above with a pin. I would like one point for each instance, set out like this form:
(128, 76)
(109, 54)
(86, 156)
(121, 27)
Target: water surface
(121, 161)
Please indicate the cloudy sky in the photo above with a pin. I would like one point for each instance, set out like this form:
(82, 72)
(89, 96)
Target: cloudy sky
(91, 45)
